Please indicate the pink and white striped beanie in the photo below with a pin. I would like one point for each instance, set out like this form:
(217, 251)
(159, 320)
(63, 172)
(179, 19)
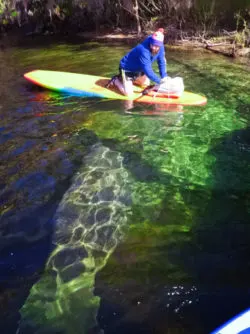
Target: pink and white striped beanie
(158, 37)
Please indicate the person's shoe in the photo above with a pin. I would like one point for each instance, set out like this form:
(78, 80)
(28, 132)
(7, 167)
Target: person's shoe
(111, 82)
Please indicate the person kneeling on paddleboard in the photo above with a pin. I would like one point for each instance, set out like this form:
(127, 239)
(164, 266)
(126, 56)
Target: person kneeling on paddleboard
(136, 66)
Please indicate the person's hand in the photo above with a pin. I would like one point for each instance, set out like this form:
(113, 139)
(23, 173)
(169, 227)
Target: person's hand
(165, 80)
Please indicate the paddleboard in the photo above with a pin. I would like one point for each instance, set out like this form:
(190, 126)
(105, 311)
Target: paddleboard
(94, 86)
(238, 325)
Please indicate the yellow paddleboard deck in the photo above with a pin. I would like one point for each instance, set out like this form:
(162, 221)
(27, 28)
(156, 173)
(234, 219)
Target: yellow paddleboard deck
(94, 86)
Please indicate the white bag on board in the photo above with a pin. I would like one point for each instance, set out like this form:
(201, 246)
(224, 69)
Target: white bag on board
(171, 86)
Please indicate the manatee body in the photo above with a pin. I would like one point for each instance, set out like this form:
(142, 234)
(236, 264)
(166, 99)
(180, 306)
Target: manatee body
(90, 221)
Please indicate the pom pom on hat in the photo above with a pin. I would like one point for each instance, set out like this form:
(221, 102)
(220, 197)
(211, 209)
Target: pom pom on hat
(158, 37)
(161, 30)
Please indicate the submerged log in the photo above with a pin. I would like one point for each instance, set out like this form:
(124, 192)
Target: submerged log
(222, 48)
(229, 50)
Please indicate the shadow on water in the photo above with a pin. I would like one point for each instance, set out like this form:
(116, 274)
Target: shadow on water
(150, 298)
(218, 255)
(37, 41)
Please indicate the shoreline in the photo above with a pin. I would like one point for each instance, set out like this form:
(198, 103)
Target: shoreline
(226, 48)
(222, 45)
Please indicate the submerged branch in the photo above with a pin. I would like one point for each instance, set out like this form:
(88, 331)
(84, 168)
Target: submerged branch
(229, 53)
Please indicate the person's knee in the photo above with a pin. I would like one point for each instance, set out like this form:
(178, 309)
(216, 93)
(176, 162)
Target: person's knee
(146, 81)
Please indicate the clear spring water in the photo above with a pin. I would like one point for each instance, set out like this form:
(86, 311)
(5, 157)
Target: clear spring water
(140, 219)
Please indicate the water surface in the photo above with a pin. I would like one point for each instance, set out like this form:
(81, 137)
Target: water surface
(139, 218)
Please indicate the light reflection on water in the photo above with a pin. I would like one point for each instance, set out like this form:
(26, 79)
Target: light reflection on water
(190, 195)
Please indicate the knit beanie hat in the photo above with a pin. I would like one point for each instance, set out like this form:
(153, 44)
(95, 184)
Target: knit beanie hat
(158, 37)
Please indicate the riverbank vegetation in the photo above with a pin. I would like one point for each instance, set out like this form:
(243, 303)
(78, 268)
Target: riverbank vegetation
(218, 25)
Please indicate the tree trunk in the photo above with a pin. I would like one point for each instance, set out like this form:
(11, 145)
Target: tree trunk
(136, 11)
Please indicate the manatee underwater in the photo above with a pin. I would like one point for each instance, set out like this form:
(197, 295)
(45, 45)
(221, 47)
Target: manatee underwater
(89, 222)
